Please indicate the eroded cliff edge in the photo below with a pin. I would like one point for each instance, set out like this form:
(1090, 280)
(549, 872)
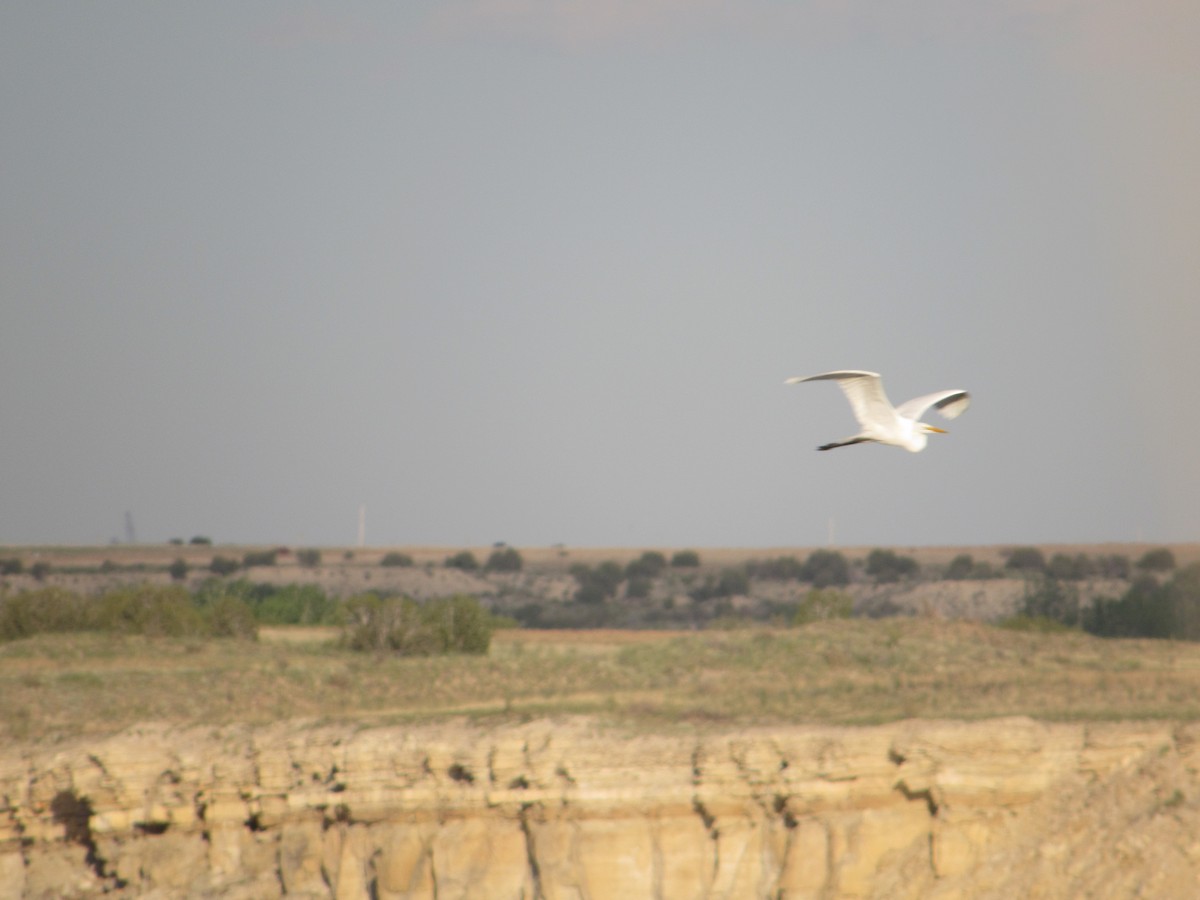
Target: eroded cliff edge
(570, 809)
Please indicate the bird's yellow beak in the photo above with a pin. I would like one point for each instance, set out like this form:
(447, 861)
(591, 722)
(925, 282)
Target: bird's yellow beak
(938, 430)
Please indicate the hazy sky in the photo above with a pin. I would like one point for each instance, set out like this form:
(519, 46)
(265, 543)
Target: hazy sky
(535, 270)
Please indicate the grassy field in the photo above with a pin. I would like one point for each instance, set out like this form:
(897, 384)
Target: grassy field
(846, 672)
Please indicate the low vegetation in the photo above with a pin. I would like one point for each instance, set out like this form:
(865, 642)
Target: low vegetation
(237, 608)
(767, 640)
(834, 670)
(145, 610)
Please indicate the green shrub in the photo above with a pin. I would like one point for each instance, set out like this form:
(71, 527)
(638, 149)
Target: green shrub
(1183, 595)
(598, 584)
(1049, 598)
(1160, 560)
(825, 568)
(309, 558)
(45, 610)
(230, 616)
(178, 570)
(223, 565)
(459, 624)
(293, 604)
(39, 570)
(400, 625)
(1150, 609)
(1070, 568)
(649, 565)
(504, 560)
(638, 587)
(1142, 611)
(149, 610)
(201, 541)
(781, 568)
(960, 567)
(1112, 565)
(464, 560)
(1025, 559)
(821, 604)
(984, 570)
(260, 558)
(685, 559)
(887, 567)
(731, 582)
(11, 566)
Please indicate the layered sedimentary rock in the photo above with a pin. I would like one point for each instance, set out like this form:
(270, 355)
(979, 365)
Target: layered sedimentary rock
(568, 809)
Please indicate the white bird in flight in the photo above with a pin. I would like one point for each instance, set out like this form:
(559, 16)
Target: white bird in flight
(883, 423)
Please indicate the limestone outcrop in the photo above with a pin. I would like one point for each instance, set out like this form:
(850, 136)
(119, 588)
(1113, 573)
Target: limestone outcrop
(571, 809)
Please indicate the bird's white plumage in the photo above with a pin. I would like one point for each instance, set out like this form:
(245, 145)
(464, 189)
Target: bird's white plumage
(882, 423)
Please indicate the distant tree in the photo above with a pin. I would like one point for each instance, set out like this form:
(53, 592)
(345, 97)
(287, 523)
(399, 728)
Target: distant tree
(507, 559)
(824, 568)
(597, 584)
(178, 570)
(11, 566)
(781, 568)
(1070, 568)
(464, 560)
(259, 558)
(685, 559)
(1183, 595)
(1142, 611)
(1051, 599)
(309, 557)
(1113, 565)
(886, 566)
(39, 570)
(201, 540)
(960, 567)
(223, 565)
(731, 582)
(638, 587)
(396, 559)
(176, 542)
(1026, 559)
(649, 565)
(1160, 560)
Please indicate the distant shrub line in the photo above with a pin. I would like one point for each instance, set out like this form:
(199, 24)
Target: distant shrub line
(144, 609)
(236, 609)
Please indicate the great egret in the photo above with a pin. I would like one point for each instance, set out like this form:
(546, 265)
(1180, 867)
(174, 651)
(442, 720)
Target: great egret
(883, 423)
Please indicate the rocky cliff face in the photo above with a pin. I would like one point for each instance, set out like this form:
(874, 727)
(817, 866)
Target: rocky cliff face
(567, 809)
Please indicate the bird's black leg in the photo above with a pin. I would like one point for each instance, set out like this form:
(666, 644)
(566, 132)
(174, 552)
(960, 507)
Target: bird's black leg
(844, 443)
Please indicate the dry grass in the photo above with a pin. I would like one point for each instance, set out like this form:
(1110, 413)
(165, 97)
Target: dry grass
(850, 672)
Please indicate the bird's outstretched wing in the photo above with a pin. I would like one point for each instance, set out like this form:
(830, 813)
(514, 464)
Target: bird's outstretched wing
(950, 404)
(864, 390)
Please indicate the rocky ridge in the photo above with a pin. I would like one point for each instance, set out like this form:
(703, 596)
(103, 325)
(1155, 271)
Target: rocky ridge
(571, 809)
